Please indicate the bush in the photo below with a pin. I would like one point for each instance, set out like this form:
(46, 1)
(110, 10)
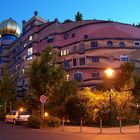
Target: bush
(34, 122)
(2, 116)
(52, 121)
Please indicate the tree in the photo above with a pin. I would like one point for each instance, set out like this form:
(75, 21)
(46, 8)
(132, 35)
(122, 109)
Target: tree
(59, 98)
(45, 76)
(93, 106)
(7, 91)
(126, 78)
(67, 21)
(78, 16)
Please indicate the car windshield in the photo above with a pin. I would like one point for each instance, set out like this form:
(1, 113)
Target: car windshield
(25, 113)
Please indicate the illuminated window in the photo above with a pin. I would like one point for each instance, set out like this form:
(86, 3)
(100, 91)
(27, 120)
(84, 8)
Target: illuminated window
(23, 70)
(24, 57)
(64, 52)
(25, 45)
(30, 52)
(30, 38)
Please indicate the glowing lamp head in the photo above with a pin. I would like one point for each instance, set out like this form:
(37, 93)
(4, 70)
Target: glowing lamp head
(21, 109)
(109, 72)
(46, 114)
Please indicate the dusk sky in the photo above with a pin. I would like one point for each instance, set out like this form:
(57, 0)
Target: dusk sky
(127, 11)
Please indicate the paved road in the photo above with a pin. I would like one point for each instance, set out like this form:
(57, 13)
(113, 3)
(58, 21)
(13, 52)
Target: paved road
(20, 132)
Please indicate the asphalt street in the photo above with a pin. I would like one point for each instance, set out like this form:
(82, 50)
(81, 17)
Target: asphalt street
(20, 132)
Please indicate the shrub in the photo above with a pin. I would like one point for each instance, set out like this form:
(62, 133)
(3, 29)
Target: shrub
(2, 116)
(52, 121)
(34, 122)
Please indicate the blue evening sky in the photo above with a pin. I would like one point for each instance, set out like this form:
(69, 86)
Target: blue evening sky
(127, 11)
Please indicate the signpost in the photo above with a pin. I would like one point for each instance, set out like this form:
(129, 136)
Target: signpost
(43, 99)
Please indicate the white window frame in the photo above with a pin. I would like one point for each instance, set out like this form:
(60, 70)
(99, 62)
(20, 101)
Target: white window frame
(125, 57)
(136, 42)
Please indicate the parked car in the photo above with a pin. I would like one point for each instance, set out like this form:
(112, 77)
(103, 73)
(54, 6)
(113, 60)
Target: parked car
(16, 116)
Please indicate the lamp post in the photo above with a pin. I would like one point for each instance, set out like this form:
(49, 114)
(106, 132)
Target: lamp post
(109, 73)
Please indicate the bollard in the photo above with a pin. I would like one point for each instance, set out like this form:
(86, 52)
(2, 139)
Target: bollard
(101, 126)
(10, 106)
(63, 124)
(139, 124)
(81, 125)
(5, 107)
(120, 122)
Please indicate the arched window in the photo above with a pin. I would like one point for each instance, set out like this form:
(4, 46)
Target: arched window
(110, 44)
(78, 76)
(82, 48)
(74, 48)
(121, 44)
(1, 50)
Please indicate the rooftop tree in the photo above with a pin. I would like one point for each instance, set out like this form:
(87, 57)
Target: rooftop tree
(78, 16)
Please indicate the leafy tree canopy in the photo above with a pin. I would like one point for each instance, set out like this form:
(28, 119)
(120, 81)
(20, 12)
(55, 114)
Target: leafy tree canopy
(7, 91)
(78, 16)
(45, 76)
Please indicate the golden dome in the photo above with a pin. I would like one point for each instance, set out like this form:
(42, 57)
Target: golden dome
(9, 26)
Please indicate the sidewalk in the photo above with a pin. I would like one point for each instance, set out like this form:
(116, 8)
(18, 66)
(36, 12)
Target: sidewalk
(94, 130)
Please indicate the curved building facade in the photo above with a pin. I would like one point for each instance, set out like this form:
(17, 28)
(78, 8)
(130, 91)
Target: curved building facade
(85, 48)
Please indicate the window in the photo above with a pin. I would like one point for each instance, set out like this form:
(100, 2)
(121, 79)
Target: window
(1, 50)
(74, 62)
(95, 59)
(74, 48)
(85, 36)
(24, 57)
(82, 48)
(66, 64)
(78, 76)
(110, 44)
(81, 61)
(95, 75)
(73, 35)
(121, 44)
(137, 43)
(66, 36)
(30, 38)
(25, 45)
(94, 44)
(124, 58)
(50, 39)
(64, 52)
(23, 70)
(111, 58)
(30, 52)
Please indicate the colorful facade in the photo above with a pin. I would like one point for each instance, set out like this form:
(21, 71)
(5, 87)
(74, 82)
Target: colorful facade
(85, 48)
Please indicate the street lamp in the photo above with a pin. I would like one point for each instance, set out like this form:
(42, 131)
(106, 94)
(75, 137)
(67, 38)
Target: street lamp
(109, 73)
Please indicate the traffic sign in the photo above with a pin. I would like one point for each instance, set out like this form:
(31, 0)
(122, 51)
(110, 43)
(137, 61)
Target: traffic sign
(43, 99)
